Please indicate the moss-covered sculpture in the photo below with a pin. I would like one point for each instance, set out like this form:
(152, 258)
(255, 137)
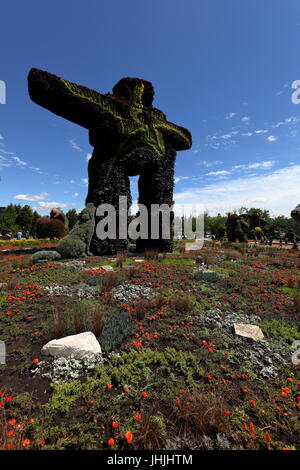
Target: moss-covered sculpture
(295, 214)
(77, 243)
(236, 228)
(129, 137)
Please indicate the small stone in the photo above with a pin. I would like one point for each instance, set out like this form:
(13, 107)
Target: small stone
(248, 331)
(78, 346)
(108, 268)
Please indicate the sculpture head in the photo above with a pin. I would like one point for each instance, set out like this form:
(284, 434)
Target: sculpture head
(295, 214)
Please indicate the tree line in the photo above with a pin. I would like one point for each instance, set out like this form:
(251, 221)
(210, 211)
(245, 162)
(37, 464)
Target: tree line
(14, 217)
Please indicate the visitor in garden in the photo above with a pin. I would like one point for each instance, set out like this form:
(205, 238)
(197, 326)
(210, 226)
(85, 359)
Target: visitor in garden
(19, 235)
(27, 235)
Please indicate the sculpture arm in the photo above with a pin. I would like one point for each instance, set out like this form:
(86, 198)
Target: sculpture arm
(69, 100)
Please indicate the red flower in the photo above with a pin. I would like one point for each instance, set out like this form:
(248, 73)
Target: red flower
(26, 442)
(111, 441)
(144, 394)
(226, 412)
(267, 437)
(109, 385)
(128, 437)
(115, 424)
(138, 417)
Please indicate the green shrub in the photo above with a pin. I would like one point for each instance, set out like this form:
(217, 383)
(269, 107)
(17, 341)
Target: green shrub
(115, 331)
(71, 248)
(207, 275)
(44, 255)
(280, 330)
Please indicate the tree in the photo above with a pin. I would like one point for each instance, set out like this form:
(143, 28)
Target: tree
(24, 218)
(72, 218)
(8, 218)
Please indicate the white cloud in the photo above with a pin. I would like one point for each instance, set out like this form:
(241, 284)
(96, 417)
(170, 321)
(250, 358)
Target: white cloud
(176, 180)
(231, 115)
(76, 194)
(19, 161)
(272, 138)
(245, 119)
(218, 173)
(261, 131)
(247, 134)
(208, 163)
(88, 156)
(74, 145)
(277, 191)
(85, 180)
(50, 205)
(26, 197)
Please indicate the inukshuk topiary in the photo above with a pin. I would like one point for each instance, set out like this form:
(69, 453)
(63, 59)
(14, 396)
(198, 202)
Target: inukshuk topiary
(129, 137)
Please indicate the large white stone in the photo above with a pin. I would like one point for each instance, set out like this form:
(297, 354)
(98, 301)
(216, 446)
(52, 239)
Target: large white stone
(108, 268)
(79, 346)
(248, 331)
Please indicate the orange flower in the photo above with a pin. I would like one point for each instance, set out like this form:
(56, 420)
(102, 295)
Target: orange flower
(126, 390)
(26, 442)
(109, 385)
(128, 437)
(12, 422)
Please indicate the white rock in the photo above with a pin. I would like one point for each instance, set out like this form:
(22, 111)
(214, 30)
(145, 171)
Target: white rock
(79, 346)
(107, 268)
(248, 331)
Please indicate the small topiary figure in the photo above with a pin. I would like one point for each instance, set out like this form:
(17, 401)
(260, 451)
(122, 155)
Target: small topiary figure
(58, 214)
(236, 228)
(77, 243)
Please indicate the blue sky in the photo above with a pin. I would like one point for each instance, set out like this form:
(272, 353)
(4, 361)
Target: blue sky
(223, 69)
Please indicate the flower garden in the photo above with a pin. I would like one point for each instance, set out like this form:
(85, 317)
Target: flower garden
(173, 374)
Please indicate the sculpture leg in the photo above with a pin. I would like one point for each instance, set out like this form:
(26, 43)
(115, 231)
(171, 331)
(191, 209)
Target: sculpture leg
(106, 183)
(156, 187)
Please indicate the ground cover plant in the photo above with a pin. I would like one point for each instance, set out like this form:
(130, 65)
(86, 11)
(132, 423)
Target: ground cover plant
(172, 373)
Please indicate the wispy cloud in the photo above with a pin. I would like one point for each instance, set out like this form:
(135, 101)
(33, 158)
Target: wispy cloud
(218, 173)
(231, 115)
(277, 191)
(208, 163)
(272, 138)
(74, 145)
(26, 197)
(19, 162)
